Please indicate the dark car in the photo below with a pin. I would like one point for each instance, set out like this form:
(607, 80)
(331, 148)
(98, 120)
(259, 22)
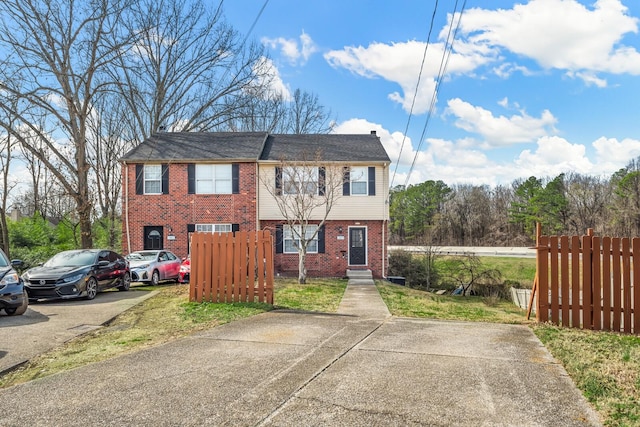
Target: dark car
(13, 298)
(77, 273)
(153, 266)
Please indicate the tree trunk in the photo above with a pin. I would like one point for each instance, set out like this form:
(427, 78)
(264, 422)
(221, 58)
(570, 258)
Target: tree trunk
(302, 270)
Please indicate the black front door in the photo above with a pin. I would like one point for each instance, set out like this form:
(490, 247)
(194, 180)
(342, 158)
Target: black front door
(152, 237)
(357, 246)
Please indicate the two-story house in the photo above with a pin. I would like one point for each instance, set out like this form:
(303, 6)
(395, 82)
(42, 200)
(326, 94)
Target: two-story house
(175, 184)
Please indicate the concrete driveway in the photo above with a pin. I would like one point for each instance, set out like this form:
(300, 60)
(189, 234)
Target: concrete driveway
(358, 367)
(48, 324)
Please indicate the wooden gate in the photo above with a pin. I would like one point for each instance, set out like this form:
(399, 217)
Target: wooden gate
(232, 267)
(589, 282)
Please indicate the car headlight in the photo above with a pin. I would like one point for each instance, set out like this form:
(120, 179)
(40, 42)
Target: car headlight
(9, 279)
(73, 278)
(142, 267)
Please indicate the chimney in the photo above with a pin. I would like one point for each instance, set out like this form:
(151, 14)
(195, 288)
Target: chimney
(373, 132)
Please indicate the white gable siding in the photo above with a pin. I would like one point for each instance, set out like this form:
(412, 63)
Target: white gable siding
(346, 207)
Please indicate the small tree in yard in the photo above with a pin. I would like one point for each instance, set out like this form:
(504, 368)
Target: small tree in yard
(305, 193)
(467, 271)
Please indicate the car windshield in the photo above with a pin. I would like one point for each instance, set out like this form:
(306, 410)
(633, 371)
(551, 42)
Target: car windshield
(4, 262)
(142, 256)
(72, 259)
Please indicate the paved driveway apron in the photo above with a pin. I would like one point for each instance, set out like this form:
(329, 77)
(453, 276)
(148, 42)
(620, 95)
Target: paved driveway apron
(359, 367)
(46, 325)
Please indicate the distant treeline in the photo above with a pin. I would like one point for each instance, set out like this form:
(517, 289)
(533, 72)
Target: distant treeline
(479, 215)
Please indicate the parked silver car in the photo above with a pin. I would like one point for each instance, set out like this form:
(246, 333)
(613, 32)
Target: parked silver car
(153, 266)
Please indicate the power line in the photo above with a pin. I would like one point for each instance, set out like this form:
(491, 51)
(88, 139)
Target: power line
(415, 94)
(444, 62)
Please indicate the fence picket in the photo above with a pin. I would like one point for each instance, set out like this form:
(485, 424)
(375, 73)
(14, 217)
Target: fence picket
(606, 283)
(575, 282)
(589, 282)
(224, 269)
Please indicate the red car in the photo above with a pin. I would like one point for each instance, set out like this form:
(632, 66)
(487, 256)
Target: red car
(185, 270)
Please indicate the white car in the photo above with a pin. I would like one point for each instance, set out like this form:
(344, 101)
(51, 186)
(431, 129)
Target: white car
(153, 266)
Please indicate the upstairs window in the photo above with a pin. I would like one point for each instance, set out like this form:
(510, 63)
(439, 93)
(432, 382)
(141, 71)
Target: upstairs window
(213, 179)
(300, 180)
(293, 180)
(359, 177)
(152, 179)
(359, 181)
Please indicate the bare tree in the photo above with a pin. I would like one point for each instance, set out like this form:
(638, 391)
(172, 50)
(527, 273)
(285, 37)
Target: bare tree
(187, 70)
(58, 52)
(305, 193)
(7, 146)
(307, 115)
(467, 271)
(108, 140)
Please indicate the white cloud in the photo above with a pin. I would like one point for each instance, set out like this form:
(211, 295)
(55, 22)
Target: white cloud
(400, 63)
(391, 141)
(561, 34)
(272, 77)
(499, 130)
(295, 51)
(461, 162)
(613, 154)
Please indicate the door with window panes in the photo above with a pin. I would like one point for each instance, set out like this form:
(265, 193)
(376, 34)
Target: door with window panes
(357, 246)
(153, 237)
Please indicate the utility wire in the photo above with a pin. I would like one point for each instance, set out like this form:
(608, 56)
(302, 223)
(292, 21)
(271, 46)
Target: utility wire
(446, 54)
(415, 94)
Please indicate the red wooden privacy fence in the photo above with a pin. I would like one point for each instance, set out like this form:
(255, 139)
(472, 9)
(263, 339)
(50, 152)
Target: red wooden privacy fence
(232, 267)
(589, 282)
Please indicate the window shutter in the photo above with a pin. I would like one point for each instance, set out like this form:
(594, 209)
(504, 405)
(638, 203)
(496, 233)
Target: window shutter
(278, 181)
(321, 240)
(191, 178)
(235, 227)
(235, 178)
(165, 178)
(279, 239)
(321, 180)
(372, 181)
(139, 179)
(346, 183)
(191, 228)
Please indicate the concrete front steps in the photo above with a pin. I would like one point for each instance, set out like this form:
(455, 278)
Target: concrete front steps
(360, 275)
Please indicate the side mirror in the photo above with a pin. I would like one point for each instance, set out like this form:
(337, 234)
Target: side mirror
(17, 263)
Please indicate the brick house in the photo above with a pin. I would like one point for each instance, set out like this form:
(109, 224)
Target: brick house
(175, 184)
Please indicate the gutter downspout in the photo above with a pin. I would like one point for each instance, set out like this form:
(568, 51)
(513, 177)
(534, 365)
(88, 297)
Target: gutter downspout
(126, 205)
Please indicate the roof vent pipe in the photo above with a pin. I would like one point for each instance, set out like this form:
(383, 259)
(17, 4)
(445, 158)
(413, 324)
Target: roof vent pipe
(373, 132)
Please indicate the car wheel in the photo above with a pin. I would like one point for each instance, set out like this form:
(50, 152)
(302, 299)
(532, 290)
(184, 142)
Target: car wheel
(155, 278)
(92, 288)
(126, 282)
(17, 311)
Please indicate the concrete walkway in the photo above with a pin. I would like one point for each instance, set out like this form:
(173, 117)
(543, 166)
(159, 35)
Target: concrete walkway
(359, 367)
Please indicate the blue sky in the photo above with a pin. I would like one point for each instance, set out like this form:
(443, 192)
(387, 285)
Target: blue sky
(535, 87)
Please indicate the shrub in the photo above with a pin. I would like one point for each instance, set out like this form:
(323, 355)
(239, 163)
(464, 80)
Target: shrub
(418, 270)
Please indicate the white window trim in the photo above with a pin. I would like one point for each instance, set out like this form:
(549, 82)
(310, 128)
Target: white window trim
(215, 179)
(285, 231)
(215, 228)
(286, 173)
(364, 178)
(158, 180)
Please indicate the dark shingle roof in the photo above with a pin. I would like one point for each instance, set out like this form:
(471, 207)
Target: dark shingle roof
(198, 146)
(211, 146)
(328, 147)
